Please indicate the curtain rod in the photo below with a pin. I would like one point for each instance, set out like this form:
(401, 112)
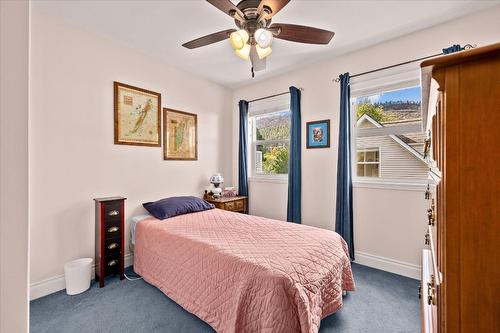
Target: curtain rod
(466, 47)
(271, 96)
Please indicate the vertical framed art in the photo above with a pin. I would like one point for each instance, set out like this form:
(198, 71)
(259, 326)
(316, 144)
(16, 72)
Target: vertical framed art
(137, 114)
(180, 135)
(318, 134)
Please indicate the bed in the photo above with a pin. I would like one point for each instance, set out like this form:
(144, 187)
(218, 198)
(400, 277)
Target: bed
(242, 273)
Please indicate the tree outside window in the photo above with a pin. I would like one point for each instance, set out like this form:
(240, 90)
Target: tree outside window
(271, 144)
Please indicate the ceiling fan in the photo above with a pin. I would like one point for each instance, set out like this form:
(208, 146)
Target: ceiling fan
(253, 38)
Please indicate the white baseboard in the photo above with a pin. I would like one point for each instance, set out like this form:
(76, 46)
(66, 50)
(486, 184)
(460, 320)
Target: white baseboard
(389, 265)
(56, 283)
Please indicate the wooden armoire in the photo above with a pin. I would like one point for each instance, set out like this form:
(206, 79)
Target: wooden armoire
(460, 285)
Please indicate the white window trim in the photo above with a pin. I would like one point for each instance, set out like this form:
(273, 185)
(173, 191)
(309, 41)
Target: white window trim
(393, 184)
(390, 79)
(400, 77)
(265, 107)
(279, 179)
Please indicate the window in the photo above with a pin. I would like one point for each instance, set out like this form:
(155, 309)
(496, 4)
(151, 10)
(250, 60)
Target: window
(388, 138)
(269, 138)
(368, 162)
(271, 143)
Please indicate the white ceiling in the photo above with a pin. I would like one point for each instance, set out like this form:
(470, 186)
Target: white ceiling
(158, 28)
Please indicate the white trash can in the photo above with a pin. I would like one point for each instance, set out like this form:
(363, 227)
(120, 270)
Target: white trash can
(77, 274)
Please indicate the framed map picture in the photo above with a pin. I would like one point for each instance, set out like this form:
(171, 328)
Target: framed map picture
(180, 135)
(318, 134)
(137, 116)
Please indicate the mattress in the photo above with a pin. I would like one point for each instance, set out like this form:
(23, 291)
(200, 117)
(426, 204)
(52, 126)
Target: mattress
(133, 224)
(242, 273)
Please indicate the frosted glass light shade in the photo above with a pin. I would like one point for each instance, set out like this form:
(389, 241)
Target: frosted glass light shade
(217, 179)
(263, 38)
(244, 52)
(263, 52)
(239, 39)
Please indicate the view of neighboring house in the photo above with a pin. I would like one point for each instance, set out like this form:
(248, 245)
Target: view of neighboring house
(392, 156)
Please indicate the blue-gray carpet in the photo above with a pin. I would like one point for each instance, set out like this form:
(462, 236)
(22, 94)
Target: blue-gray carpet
(383, 302)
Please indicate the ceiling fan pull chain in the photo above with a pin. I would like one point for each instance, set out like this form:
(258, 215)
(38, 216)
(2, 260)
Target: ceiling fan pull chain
(253, 73)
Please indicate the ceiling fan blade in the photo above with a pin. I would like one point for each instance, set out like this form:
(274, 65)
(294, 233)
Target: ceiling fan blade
(227, 7)
(274, 5)
(303, 34)
(208, 39)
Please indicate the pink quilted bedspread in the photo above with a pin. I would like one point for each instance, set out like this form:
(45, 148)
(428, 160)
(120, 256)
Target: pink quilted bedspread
(242, 273)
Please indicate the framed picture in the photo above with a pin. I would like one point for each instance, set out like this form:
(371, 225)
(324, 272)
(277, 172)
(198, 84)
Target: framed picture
(318, 134)
(137, 116)
(180, 135)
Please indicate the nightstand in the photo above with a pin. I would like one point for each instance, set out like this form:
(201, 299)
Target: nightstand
(234, 204)
(109, 237)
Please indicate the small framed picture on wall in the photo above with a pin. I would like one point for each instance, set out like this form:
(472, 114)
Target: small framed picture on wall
(318, 134)
(137, 116)
(180, 135)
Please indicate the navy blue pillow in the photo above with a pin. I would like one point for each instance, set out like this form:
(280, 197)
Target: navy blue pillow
(170, 207)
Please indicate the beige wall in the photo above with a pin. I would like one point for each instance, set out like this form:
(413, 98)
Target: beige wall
(14, 205)
(73, 158)
(389, 226)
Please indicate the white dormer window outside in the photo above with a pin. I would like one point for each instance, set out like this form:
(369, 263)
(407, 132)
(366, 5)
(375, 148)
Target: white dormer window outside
(368, 162)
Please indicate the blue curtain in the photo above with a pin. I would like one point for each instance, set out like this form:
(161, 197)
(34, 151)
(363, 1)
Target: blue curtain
(343, 213)
(294, 169)
(453, 48)
(242, 153)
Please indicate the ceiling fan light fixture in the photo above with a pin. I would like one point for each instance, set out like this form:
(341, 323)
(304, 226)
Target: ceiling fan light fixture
(254, 34)
(263, 52)
(244, 52)
(239, 39)
(263, 38)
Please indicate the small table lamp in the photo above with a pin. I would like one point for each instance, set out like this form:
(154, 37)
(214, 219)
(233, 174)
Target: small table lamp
(216, 180)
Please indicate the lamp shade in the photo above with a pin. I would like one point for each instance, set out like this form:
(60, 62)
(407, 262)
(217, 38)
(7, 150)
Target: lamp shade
(239, 39)
(244, 52)
(263, 38)
(262, 53)
(217, 179)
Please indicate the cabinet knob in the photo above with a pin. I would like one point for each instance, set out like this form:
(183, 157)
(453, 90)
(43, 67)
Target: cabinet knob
(427, 145)
(114, 213)
(431, 300)
(112, 263)
(431, 215)
(431, 291)
(112, 246)
(113, 229)
(428, 192)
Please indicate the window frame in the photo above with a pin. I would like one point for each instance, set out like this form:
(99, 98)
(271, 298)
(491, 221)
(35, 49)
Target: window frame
(253, 143)
(401, 77)
(379, 150)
